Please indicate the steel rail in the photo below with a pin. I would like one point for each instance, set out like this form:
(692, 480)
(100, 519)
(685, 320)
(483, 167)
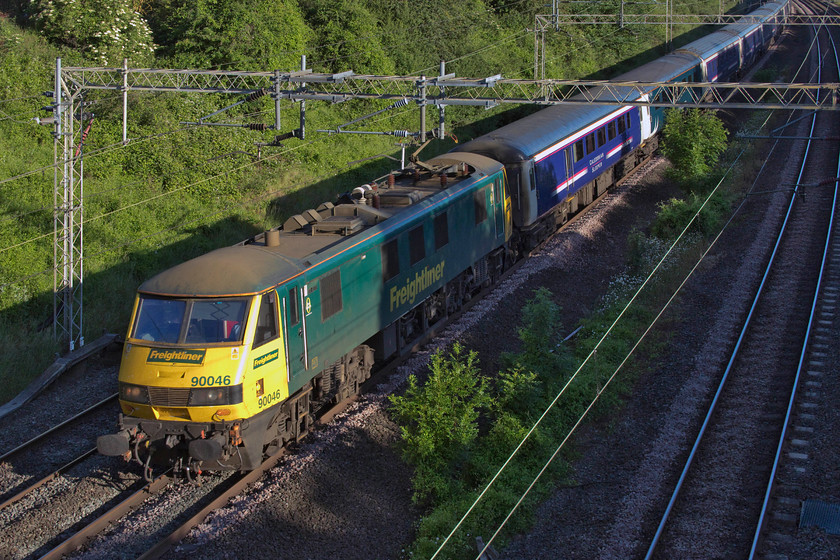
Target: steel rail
(239, 486)
(104, 521)
(741, 337)
(57, 427)
(791, 402)
(31, 488)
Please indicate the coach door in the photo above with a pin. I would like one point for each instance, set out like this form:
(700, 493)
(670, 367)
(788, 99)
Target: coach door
(294, 328)
(570, 172)
(644, 112)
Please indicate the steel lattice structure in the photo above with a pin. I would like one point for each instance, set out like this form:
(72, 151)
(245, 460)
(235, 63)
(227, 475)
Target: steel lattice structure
(68, 216)
(450, 90)
(551, 20)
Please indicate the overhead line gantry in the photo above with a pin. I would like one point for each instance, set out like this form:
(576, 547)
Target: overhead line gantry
(71, 122)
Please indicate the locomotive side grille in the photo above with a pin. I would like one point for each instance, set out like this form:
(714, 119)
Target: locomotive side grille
(167, 396)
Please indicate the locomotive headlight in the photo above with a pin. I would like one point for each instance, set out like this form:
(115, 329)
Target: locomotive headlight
(134, 393)
(214, 396)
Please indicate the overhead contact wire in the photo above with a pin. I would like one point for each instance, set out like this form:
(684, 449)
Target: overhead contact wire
(563, 389)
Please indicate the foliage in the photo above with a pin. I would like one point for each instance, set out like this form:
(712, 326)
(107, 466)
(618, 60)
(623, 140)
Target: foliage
(106, 31)
(539, 335)
(693, 140)
(439, 421)
(458, 467)
(349, 37)
(247, 34)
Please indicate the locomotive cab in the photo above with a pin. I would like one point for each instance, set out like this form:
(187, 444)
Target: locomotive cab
(192, 370)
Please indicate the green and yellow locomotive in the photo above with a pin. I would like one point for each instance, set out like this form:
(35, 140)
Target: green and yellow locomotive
(231, 354)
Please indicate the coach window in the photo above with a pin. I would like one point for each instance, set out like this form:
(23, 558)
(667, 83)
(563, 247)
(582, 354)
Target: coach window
(578, 150)
(590, 143)
(611, 130)
(627, 120)
(416, 245)
(620, 123)
(480, 202)
(390, 260)
(266, 320)
(441, 231)
(602, 136)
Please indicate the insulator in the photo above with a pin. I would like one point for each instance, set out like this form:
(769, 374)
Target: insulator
(416, 176)
(401, 133)
(443, 180)
(401, 103)
(256, 94)
(257, 126)
(391, 179)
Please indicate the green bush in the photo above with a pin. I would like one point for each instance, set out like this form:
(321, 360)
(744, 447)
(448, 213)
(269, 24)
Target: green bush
(674, 215)
(693, 140)
(453, 464)
(540, 337)
(439, 421)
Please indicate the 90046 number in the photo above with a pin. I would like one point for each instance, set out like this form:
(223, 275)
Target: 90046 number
(266, 400)
(210, 381)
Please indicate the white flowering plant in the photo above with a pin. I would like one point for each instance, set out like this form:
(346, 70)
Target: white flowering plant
(105, 31)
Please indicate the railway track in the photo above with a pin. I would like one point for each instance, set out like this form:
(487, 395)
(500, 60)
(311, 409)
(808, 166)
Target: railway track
(727, 501)
(139, 502)
(49, 449)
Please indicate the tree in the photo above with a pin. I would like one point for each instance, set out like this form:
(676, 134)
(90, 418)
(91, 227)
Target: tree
(693, 140)
(350, 37)
(251, 34)
(103, 30)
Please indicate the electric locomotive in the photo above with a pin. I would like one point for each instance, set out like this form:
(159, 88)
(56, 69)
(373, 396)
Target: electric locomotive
(230, 354)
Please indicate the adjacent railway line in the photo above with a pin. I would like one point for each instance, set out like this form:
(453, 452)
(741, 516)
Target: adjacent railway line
(751, 424)
(50, 450)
